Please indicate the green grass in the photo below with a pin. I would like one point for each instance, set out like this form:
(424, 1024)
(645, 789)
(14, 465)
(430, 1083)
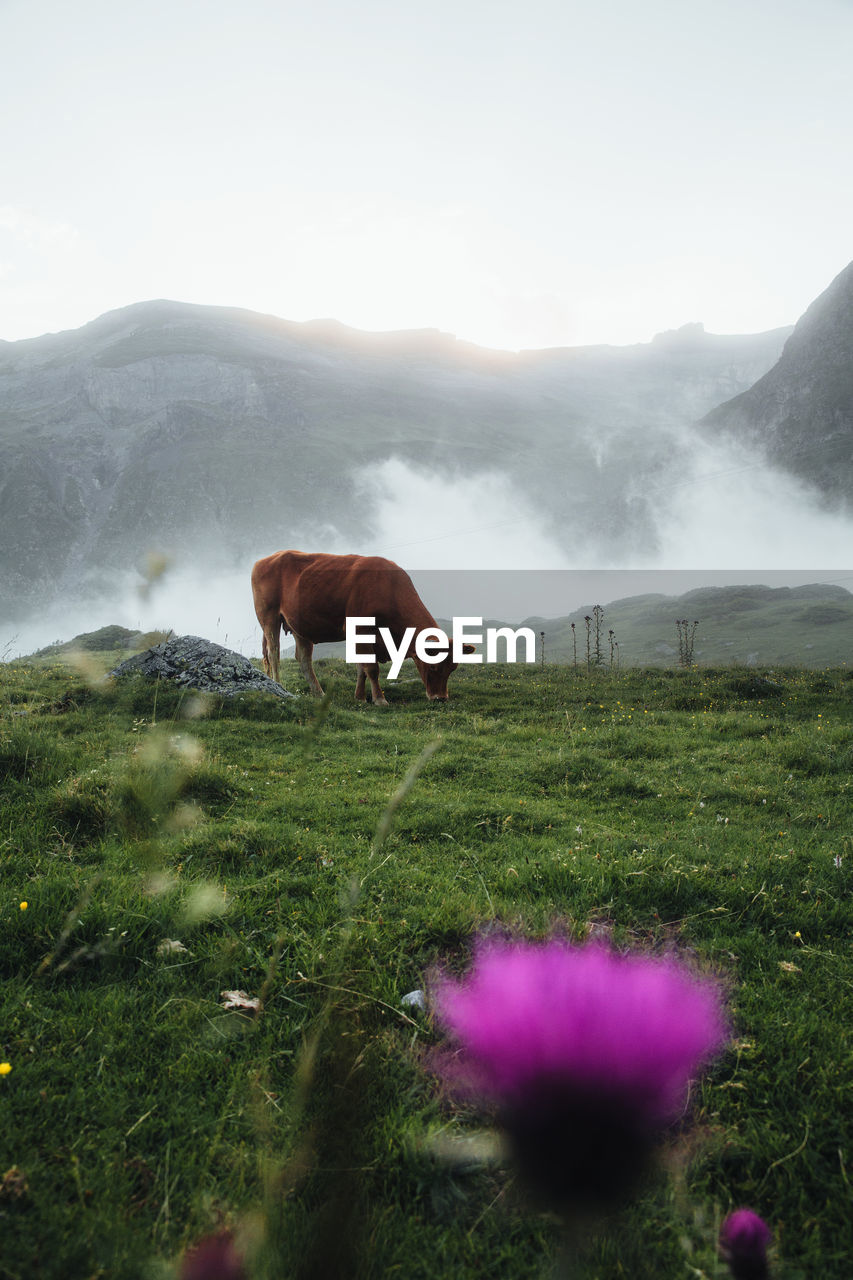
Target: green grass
(705, 810)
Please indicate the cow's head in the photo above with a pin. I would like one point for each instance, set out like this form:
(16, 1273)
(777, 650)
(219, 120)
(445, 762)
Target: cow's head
(436, 674)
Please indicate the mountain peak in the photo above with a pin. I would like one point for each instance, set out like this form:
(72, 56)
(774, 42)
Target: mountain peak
(800, 414)
(688, 335)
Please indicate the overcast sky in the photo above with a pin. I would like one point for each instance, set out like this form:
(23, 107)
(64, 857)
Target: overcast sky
(516, 172)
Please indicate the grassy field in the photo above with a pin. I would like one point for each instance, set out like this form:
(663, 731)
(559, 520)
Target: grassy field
(160, 849)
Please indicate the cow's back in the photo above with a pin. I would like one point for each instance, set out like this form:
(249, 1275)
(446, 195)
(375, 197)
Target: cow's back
(315, 592)
(374, 587)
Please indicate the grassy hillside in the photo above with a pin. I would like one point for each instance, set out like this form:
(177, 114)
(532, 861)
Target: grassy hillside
(158, 850)
(760, 626)
(810, 626)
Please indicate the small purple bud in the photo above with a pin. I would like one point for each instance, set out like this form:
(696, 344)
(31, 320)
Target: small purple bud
(213, 1258)
(744, 1238)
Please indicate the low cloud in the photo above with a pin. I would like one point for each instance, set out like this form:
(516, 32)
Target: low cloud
(732, 511)
(478, 546)
(428, 521)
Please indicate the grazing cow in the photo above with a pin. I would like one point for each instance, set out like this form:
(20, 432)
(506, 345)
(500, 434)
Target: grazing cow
(312, 595)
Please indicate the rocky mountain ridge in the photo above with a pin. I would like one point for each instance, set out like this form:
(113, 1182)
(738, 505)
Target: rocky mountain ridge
(800, 413)
(217, 433)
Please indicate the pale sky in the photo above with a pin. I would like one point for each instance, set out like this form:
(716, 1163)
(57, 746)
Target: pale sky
(520, 173)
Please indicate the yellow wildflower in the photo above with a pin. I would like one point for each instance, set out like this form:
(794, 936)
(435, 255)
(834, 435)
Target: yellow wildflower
(5, 1068)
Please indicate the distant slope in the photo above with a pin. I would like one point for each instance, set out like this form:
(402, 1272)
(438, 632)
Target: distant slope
(801, 412)
(808, 626)
(221, 434)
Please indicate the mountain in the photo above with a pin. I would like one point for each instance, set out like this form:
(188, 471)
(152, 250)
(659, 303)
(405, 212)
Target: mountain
(221, 434)
(800, 414)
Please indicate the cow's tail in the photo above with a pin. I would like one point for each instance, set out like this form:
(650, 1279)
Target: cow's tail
(265, 654)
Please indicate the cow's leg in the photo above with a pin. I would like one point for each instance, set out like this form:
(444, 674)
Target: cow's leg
(270, 647)
(359, 684)
(304, 651)
(372, 673)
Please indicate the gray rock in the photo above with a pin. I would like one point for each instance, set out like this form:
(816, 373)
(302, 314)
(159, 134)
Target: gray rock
(200, 664)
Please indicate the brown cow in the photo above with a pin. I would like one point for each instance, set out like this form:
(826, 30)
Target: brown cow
(312, 594)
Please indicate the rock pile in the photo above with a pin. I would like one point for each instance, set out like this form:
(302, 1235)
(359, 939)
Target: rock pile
(200, 664)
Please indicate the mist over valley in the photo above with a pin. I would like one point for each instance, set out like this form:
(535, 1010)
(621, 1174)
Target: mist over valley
(195, 439)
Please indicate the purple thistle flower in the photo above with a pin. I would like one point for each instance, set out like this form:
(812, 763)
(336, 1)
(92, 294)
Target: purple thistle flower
(585, 1054)
(744, 1238)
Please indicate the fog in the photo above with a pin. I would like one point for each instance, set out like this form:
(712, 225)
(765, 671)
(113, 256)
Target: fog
(477, 546)
(215, 603)
(732, 511)
(428, 521)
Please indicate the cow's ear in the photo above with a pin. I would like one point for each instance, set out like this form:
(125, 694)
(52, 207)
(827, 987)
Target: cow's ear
(467, 648)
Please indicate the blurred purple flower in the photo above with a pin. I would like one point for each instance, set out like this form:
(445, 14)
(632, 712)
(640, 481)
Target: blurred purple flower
(585, 1054)
(213, 1258)
(744, 1238)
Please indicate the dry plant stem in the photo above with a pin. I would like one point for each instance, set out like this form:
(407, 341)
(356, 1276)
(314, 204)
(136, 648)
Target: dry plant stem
(71, 921)
(285, 1179)
(387, 819)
